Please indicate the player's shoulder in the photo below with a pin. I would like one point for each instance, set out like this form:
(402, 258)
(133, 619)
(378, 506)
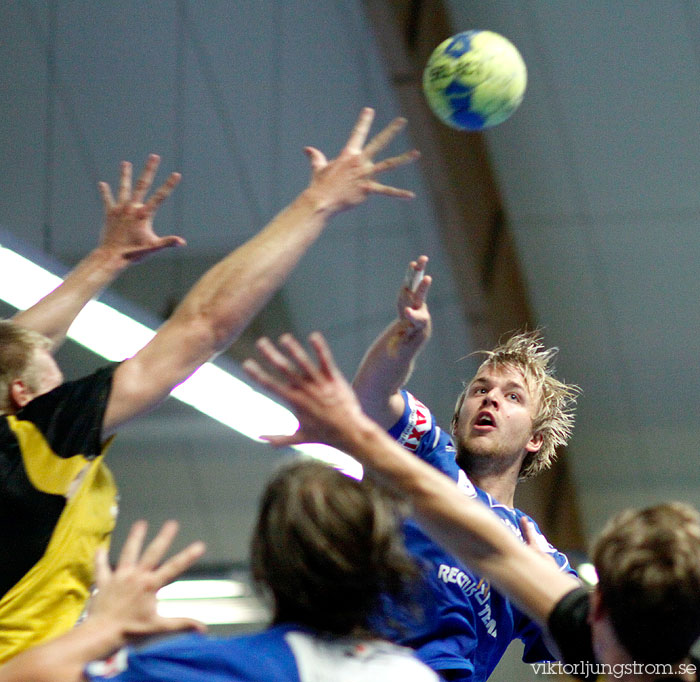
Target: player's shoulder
(352, 660)
(256, 656)
(415, 424)
(543, 544)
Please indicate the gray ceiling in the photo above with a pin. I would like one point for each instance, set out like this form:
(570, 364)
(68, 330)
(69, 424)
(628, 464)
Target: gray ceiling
(599, 170)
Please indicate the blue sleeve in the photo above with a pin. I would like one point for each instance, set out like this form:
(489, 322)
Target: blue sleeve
(535, 649)
(417, 431)
(197, 658)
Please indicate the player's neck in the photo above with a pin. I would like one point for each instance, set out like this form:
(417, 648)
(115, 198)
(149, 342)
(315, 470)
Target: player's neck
(498, 476)
(610, 652)
(500, 485)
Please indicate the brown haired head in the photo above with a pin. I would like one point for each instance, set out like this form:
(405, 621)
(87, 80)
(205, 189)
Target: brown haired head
(17, 347)
(326, 547)
(648, 564)
(554, 400)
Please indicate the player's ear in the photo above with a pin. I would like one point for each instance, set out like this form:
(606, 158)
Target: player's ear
(597, 610)
(20, 394)
(535, 442)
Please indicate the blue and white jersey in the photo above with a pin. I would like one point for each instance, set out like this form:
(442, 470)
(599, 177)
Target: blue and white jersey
(284, 653)
(467, 625)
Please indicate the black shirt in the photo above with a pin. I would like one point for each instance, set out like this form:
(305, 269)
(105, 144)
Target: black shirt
(569, 628)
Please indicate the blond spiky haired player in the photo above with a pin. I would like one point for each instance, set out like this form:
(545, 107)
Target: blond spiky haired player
(507, 424)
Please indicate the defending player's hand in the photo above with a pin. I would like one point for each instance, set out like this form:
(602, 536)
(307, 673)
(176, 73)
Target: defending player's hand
(532, 539)
(349, 179)
(126, 596)
(128, 228)
(319, 395)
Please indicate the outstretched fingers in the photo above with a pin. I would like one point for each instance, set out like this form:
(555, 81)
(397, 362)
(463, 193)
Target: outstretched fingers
(124, 182)
(102, 568)
(256, 372)
(359, 133)
(326, 361)
(276, 359)
(382, 138)
(133, 544)
(162, 193)
(158, 547)
(421, 292)
(388, 164)
(179, 563)
(145, 180)
(389, 191)
(277, 441)
(106, 194)
(302, 362)
(396, 161)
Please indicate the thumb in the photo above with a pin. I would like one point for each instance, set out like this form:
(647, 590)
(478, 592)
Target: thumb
(528, 531)
(410, 314)
(179, 624)
(285, 441)
(171, 240)
(317, 158)
(140, 252)
(102, 570)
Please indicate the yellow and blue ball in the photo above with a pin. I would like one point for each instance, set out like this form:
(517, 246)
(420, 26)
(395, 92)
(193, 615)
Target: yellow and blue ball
(475, 80)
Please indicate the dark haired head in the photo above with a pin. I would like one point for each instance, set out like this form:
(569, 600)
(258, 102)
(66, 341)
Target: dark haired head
(326, 547)
(648, 564)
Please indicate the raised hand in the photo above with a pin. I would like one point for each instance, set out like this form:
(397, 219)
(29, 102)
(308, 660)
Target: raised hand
(128, 228)
(126, 596)
(319, 395)
(349, 179)
(412, 307)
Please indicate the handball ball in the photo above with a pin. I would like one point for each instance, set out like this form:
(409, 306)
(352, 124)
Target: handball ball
(474, 80)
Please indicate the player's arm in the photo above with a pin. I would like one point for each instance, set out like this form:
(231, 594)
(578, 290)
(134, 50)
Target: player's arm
(225, 299)
(127, 237)
(123, 608)
(329, 412)
(389, 361)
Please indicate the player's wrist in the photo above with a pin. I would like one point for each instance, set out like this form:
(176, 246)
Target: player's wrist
(319, 202)
(110, 258)
(105, 632)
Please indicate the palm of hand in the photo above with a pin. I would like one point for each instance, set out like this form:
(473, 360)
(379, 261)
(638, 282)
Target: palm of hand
(128, 229)
(347, 180)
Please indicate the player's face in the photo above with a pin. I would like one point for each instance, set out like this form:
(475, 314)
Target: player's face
(47, 373)
(496, 416)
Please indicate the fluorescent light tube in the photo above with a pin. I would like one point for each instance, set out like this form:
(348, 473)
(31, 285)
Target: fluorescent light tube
(115, 336)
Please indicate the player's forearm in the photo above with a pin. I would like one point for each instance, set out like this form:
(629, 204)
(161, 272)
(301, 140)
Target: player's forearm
(215, 311)
(385, 369)
(64, 658)
(456, 520)
(53, 314)
(475, 535)
(234, 290)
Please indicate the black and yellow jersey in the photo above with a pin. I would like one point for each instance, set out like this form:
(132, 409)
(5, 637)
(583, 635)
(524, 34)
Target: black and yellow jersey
(57, 506)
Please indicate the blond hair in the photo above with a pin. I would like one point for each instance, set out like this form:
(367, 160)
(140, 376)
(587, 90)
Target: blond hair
(554, 418)
(648, 564)
(17, 345)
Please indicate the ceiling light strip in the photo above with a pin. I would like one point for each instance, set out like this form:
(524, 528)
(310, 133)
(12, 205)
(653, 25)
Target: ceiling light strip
(115, 336)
